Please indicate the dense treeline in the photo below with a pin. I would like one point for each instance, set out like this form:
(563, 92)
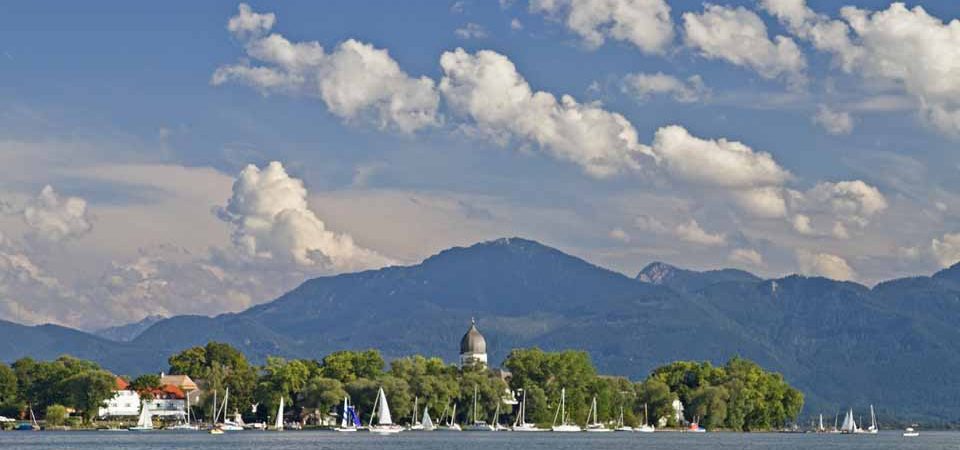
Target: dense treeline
(737, 396)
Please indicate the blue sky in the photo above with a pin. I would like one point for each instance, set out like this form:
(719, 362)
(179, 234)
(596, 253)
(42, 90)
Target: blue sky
(777, 151)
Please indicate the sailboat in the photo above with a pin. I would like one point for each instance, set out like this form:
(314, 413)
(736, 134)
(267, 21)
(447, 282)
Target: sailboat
(836, 424)
(620, 425)
(278, 423)
(521, 423)
(415, 424)
(646, 427)
(873, 429)
(496, 420)
(186, 425)
(561, 416)
(381, 412)
(849, 425)
(229, 425)
(820, 428)
(451, 424)
(145, 422)
(477, 425)
(593, 419)
(349, 421)
(29, 426)
(426, 424)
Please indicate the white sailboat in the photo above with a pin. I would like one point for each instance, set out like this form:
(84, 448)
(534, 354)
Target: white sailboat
(910, 432)
(849, 425)
(477, 425)
(646, 427)
(560, 424)
(186, 425)
(593, 419)
(873, 429)
(415, 424)
(349, 422)
(426, 424)
(381, 412)
(521, 423)
(145, 421)
(229, 425)
(820, 428)
(620, 425)
(278, 423)
(451, 424)
(496, 420)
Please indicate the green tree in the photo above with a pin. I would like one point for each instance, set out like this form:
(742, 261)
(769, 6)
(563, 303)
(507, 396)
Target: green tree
(87, 391)
(222, 367)
(56, 415)
(347, 366)
(145, 384)
(323, 393)
(191, 362)
(8, 385)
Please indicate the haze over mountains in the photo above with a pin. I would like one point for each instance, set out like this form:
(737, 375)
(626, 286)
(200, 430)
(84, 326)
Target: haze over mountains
(843, 344)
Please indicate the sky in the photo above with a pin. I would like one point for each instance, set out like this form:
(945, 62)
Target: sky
(203, 157)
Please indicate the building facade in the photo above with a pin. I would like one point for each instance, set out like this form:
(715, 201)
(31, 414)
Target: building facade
(125, 402)
(473, 347)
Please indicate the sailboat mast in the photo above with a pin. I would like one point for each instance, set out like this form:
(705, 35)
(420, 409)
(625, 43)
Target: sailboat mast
(563, 406)
(523, 408)
(215, 406)
(474, 403)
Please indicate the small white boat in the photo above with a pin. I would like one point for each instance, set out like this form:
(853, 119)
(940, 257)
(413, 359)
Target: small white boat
(477, 425)
(145, 421)
(646, 427)
(560, 423)
(349, 422)
(451, 424)
(910, 432)
(521, 423)
(381, 412)
(873, 428)
(593, 420)
(622, 427)
(278, 423)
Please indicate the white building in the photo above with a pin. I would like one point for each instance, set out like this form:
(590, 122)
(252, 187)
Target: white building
(125, 402)
(473, 347)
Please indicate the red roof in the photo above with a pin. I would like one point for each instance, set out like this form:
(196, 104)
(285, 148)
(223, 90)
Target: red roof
(122, 384)
(168, 391)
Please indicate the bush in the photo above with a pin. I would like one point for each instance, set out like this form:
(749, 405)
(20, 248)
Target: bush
(56, 415)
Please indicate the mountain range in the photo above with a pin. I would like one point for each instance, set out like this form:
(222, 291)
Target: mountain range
(842, 343)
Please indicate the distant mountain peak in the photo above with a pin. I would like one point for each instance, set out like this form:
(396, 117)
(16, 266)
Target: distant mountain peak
(658, 273)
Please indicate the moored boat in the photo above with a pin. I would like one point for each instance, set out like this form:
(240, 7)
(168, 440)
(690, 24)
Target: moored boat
(381, 422)
(593, 419)
(560, 423)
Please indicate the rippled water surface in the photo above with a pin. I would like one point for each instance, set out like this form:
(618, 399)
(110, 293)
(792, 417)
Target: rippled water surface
(464, 441)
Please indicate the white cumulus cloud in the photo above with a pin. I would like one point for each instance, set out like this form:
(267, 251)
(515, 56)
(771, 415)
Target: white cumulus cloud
(746, 257)
(692, 232)
(643, 23)
(272, 221)
(645, 85)
(53, 218)
(946, 250)
(739, 36)
(835, 122)
(486, 87)
(907, 46)
(356, 80)
(824, 265)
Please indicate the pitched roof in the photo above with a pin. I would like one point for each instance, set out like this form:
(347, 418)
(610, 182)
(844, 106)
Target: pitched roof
(182, 381)
(168, 391)
(122, 384)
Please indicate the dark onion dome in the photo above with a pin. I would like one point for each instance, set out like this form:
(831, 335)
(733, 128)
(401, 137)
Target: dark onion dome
(473, 341)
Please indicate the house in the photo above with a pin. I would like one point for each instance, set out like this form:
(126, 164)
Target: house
(168, 400)
(181, 381)
(125, 401)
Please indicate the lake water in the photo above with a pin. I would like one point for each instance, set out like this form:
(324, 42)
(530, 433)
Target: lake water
(467, 441)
